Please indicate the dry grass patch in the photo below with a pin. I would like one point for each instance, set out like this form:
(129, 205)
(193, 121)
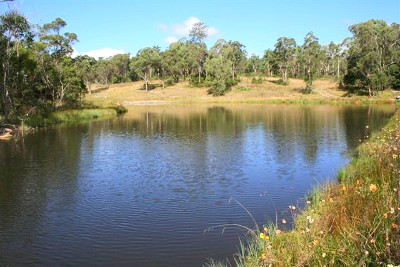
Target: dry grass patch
(270, 90)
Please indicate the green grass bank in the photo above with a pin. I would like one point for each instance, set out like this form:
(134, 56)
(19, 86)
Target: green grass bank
(355, 222)
(72, 116)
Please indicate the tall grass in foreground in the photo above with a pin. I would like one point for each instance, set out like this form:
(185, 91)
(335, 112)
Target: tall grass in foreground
(355, 222)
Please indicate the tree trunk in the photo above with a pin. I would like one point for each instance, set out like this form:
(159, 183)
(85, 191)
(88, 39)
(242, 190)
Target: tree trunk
(5, 94)
(199, 69)
(88, 86)
(145, 81)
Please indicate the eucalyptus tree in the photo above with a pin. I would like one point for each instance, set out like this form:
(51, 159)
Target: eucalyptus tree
(173, 58)
(197, 49)
(198, 32)
(183, 58)
(253, 64)
(120, 67)
(373, 52)
(233, 51)
(146, 61)
(85, 70)
(284, 53)
(53, 51)
(311, 53)
(197, 55)
(331, 62)
(219, 74)
(238, 57)
(14, 31)
(269, 60)
(103, 71)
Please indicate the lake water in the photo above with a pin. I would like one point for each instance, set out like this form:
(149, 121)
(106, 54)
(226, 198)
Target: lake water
(141, 189)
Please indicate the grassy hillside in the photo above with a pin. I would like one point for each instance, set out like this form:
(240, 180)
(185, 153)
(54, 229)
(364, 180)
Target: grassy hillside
(268, 91)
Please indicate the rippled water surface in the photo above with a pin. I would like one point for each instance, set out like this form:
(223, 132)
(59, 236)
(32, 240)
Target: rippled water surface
(140, 190)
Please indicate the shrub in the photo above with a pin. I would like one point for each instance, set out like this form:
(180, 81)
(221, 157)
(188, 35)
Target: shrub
(256, 80)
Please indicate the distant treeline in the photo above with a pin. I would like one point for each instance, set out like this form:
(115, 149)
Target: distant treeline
(39, 73)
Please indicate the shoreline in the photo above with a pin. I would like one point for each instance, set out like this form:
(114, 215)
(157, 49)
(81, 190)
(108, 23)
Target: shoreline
(353, 222)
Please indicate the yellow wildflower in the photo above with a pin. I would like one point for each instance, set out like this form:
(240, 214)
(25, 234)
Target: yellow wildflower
(283, 221)
(373, 188)
(316, 242)
(278, 231)
(264, 236)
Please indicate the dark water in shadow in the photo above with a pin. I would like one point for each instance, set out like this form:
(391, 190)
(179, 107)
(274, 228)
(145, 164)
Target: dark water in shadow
(141, 189)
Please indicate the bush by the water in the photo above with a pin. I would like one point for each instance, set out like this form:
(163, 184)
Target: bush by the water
(69, 116)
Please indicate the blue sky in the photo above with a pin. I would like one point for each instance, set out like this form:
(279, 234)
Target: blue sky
(107, 26)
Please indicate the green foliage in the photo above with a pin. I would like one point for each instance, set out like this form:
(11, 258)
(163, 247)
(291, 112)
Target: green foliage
(196, 81)
(71, 116)
(308, 89)
(311, 56)
(281, 82)
(169, 82)
(15, 34)
(254, 64)
(232, 51)
(375, 48)
(394, 75)
(121, 109)
(146, 62)
(219, 75)
(198, 32)
(38, 73)
(284, 53)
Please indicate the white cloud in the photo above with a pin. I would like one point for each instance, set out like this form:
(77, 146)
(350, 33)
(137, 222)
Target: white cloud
(75, 53)
(182, 29)
(212, 31)
(103, 52)
(171, 39)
